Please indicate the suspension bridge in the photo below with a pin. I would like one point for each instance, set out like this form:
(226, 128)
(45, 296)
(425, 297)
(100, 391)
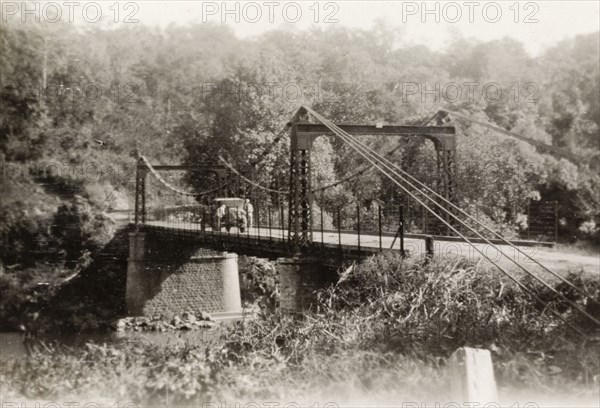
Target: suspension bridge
(291, 222)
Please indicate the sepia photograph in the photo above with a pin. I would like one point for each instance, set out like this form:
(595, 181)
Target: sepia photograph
(300, 204)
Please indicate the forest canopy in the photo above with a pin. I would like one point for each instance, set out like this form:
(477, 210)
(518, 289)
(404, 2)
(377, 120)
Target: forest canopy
(91, 100)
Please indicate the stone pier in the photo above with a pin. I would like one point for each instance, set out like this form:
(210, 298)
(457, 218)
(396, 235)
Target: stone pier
(299, 279)
(170, 282)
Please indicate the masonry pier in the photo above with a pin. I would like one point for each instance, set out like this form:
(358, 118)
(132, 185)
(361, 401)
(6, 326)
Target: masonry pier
(164, 278)
(299, 278)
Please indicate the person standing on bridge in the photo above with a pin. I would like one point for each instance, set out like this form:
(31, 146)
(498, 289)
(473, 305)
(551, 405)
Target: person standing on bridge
(219, 215)
(249, 212)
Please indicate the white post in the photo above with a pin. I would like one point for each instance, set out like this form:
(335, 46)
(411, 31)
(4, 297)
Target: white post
(473, 376)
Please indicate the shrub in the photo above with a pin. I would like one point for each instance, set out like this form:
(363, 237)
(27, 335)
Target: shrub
(380, 335)
(259, 282)
(79, 230)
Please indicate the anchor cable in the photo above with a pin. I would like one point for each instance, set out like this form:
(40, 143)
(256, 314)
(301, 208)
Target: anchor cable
(350, 140)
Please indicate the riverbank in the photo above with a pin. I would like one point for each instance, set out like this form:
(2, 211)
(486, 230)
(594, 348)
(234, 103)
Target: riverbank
(382, 334)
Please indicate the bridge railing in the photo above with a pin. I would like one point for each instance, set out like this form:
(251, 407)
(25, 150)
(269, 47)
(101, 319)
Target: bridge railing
(188, 216)
(357, 224)
(270, 217)
(345, 227)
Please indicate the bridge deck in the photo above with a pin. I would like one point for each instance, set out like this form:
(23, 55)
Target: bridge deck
(369, 243)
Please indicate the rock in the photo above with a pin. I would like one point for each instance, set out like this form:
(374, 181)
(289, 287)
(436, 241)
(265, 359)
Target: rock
(121, 324)
(206, 316)
(189, 317)
(139, 321)
(205, 324)
(176, 321)
(552, 370)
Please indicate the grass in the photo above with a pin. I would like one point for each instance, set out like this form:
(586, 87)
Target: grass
(382, 334)
(586, 248)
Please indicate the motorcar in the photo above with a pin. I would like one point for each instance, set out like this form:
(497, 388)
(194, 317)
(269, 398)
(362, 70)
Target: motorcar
(235, 216)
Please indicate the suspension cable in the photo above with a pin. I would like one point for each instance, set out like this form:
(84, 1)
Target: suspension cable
(247, 180)
(316, 190)
(575, 306)
(345, 179)
(365, 168)
(499, 236)
(175, 189)
(260, 158)
(575, 158)
(353, 139)
(385, 160)
(268, 149)
(496, 234)
(521, 285)
(350, 140)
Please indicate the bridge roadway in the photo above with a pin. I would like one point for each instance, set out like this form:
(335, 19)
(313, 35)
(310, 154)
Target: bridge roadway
(272, 243)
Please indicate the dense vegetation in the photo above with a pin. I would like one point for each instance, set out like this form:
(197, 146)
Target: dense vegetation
(79, 104)
(381, 334)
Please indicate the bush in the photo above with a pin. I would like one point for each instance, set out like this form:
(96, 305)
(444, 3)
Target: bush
(380, 335)
(79, 230)
(446, 304)
(23, 292)
(259, 283)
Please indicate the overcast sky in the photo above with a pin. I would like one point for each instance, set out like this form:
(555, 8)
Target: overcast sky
(539, 24)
